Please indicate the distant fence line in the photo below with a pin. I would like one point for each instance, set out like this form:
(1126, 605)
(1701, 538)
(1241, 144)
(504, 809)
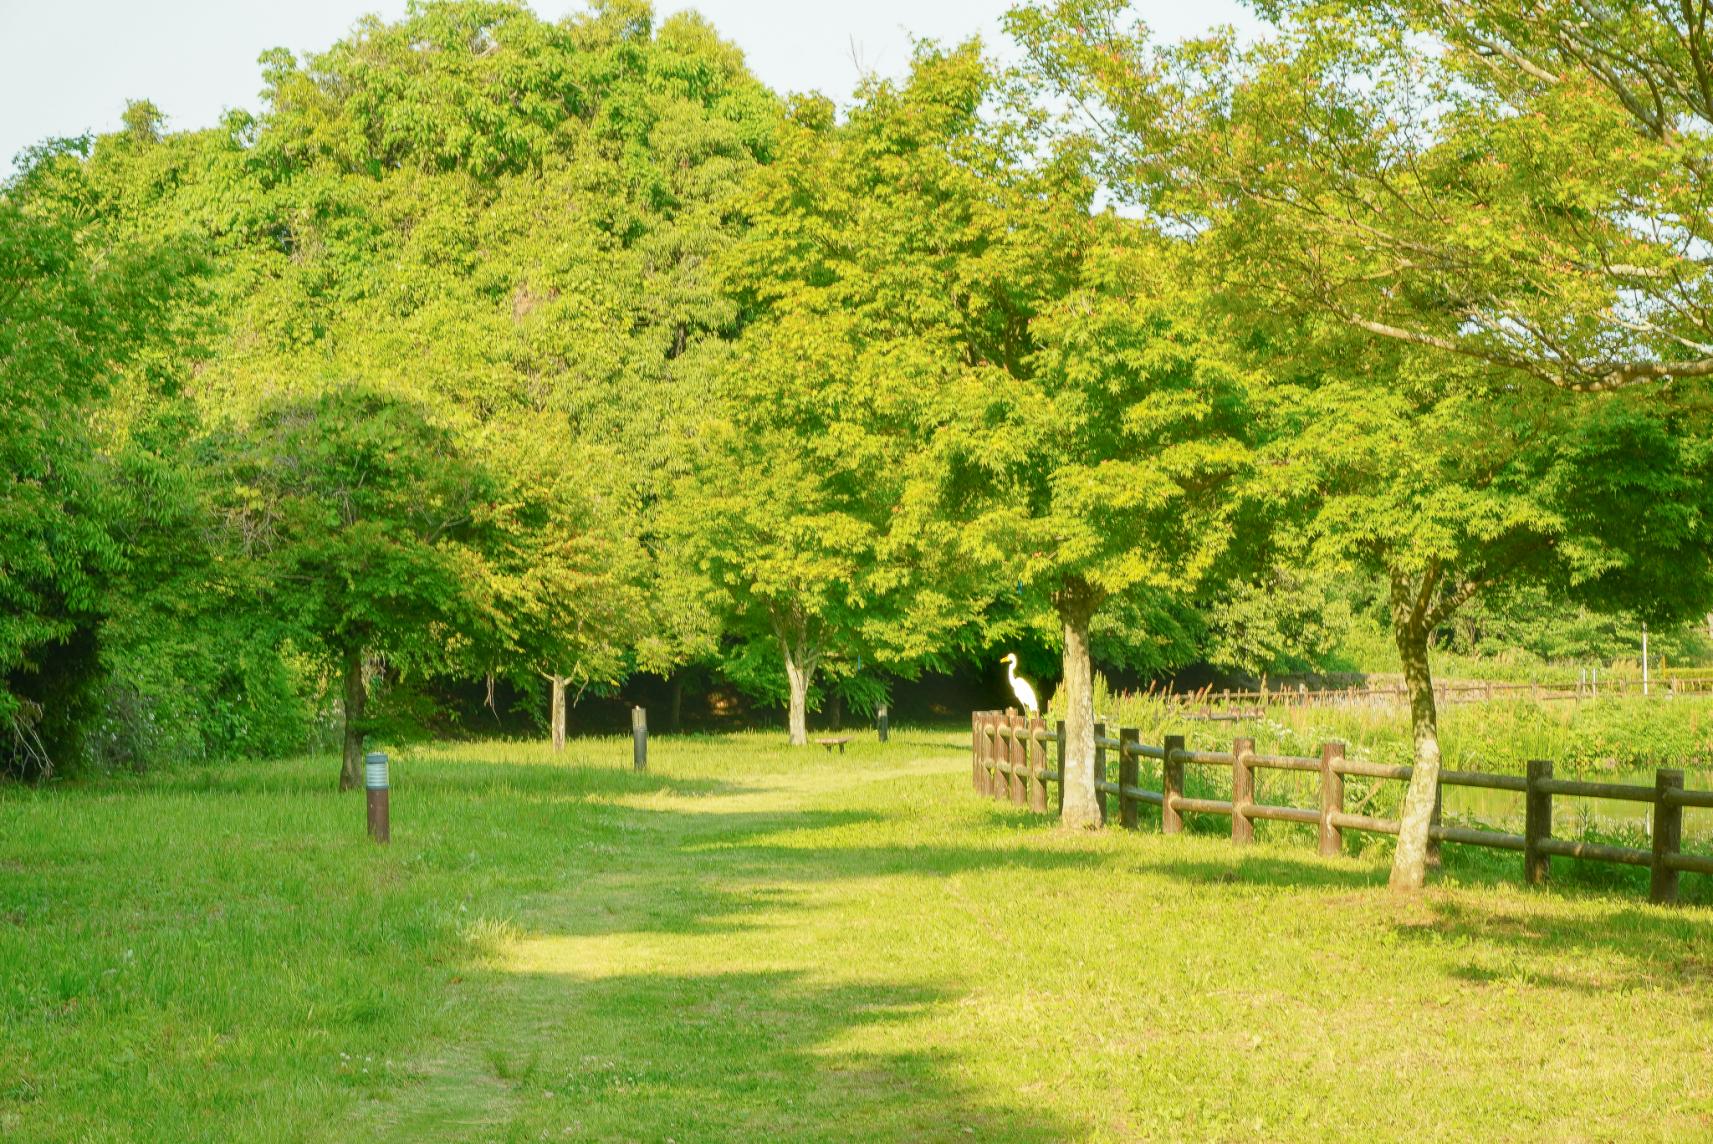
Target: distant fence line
(1219, 705)
(1008, 758)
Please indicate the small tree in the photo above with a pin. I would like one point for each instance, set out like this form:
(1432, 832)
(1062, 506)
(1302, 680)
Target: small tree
(360, 512)
(570, 577)
(1450, 488)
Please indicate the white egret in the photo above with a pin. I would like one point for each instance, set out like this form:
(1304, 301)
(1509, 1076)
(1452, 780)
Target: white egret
(1020, 687)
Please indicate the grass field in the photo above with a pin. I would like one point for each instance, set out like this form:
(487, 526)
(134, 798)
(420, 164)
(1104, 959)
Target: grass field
(750, 943)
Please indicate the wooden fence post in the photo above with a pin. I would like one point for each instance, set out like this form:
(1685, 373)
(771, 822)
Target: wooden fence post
(1242, 790)
(1331, 798)
(1019, 760)
(1537, 823)
(1037, 765)
(1668, 835)
(998, 787)
(1100, 769)
(883, 722)
(1129, 775)
(1171, 786)
(1061, 745)
(976, 736)
(639, 739)
(1433, 858)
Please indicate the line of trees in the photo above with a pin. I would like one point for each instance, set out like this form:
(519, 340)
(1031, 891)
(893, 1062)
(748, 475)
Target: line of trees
(562, 352)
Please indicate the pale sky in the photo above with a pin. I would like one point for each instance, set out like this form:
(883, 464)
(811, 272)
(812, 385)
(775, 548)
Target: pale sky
(68, 66)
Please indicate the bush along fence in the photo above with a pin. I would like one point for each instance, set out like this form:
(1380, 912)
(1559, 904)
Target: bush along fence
(1009, 761)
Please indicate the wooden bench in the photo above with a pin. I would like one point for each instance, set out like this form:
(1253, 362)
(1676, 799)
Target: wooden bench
(831, 743)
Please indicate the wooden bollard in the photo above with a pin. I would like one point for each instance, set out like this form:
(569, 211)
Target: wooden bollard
(1037, 765)
(1537, 823)
(1060, 729)
(1129, 775)
(1242, 790)
(1171, 786)
(1331, 798)
(1100, 770)
(882, 722)
(1019, 760)
(1668, 836)
(638, 739)
(377, 785)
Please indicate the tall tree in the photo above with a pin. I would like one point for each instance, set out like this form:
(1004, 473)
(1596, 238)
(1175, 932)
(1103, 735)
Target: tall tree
(814, 511)
(77, 307)
(1123, 447)
(1323, 176)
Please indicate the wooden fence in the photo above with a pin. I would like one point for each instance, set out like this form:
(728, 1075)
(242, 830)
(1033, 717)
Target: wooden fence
(1209, 704)
(1008, 758)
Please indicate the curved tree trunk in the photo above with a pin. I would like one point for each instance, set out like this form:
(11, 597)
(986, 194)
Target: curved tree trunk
(1077, 604)
(1410, 628)
(558, 712)
(799, 673)
(356, 699)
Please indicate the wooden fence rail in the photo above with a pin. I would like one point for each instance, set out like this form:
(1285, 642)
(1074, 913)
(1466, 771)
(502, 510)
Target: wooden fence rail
(1008, 761)
(1231, 705)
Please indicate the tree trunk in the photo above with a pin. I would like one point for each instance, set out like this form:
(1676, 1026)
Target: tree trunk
(558, 712)
(356, 698)
(799, 673)
(675, 714)
(1077, 604)
(836, 711)
(801, 652)
(1411, 629)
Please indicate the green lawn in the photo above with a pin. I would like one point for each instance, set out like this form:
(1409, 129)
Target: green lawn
(750, 943)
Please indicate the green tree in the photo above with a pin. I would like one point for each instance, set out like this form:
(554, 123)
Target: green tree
(816, 510)
(1126, 445)
(362, 514)
(77, 306)
(570, 577)
(1443, 474)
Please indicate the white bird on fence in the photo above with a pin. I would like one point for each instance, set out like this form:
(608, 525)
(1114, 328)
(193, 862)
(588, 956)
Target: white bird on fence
(1020, 687)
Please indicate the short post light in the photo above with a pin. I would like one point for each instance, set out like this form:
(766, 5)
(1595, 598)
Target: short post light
(375, 783)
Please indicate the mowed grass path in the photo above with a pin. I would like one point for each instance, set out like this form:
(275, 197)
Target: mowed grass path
(750, 943)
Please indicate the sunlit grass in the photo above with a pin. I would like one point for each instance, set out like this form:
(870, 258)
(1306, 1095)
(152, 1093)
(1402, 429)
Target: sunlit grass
(751, 943)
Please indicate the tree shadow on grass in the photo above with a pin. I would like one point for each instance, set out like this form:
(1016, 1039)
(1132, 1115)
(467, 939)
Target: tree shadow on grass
(710, 1057)
(1626, 947)
(712, 872)
(1260, 868)
(438, 777)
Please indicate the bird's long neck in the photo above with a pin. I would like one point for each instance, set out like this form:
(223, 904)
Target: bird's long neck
(1011, 670)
